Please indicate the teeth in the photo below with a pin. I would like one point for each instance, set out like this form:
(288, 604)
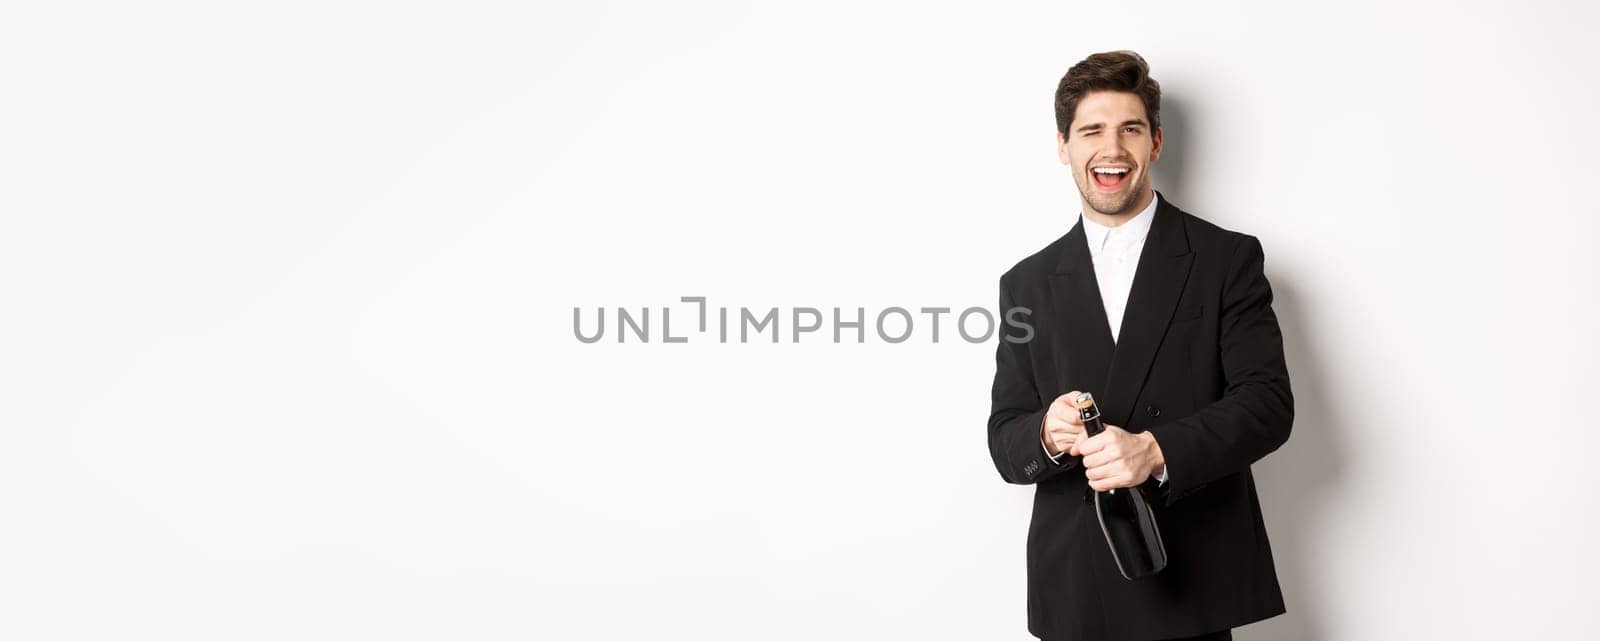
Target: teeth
(1110, 170)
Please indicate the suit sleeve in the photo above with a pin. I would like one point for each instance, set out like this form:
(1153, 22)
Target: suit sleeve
(1256, 410)
(1016, 416)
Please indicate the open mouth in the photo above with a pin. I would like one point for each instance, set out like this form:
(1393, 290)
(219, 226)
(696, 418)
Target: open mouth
(1110, 178)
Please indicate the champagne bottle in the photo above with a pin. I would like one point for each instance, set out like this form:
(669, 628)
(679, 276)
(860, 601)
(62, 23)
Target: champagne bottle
(1125, 516)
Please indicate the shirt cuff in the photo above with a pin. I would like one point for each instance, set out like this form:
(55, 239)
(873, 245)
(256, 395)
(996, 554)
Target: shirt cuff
(1161, 474)
(1054, 458)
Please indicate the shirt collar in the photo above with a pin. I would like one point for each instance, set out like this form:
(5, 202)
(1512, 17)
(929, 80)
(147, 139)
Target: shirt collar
(1135, 229)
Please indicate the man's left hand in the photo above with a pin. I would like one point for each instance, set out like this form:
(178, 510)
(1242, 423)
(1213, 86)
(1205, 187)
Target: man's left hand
(1118, 458)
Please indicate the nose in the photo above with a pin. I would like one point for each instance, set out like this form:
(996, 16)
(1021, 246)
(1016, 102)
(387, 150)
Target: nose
(1112, 149)
(1117, 148)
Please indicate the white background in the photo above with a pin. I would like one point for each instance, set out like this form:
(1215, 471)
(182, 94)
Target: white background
(287, 347)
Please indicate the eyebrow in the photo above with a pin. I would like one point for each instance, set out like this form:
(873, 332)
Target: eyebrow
(1135, 121)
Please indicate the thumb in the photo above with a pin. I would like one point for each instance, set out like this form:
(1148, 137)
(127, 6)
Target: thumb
(1079, 445)
(1066, 399)
(1090, 445)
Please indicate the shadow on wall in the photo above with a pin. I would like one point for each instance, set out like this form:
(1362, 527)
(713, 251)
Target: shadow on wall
(1170, 169)
(1295, 482)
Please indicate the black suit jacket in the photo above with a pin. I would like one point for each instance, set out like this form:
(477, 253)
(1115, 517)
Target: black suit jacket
(1200, 365)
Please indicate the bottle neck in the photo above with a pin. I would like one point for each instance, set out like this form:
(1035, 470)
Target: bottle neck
(1091, 420)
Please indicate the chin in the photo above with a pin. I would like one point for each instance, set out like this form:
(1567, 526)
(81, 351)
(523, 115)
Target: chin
(1113, 204)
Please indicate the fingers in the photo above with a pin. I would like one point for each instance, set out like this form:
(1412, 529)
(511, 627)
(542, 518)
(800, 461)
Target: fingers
(1055, 425)
(1111, 484)
(1068, 411)
(1114, 469)
(1061, 439)
(1112, 459)
(1110, 476)
(1064, 426)
(1092, 444)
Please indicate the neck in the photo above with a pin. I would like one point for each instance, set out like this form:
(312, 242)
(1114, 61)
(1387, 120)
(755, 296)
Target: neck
(1116, 220)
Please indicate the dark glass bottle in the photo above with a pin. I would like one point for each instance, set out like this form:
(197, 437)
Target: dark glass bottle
(1125, 516)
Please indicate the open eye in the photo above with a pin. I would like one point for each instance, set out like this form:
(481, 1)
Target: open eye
(1130, 130)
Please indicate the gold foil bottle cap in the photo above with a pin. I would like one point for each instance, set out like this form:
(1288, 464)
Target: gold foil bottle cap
(1083, 400)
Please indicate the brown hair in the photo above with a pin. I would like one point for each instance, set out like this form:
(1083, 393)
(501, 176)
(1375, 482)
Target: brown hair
(1110, 71)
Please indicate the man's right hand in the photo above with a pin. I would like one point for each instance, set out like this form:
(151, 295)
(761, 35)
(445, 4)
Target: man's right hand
(1062, 426)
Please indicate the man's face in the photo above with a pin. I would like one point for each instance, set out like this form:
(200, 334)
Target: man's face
(1110, 148)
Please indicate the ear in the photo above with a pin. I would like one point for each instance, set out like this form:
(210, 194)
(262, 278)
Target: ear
(1155, 151)
(1061, 149)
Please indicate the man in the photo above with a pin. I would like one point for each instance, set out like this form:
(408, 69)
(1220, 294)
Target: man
(1167, 319)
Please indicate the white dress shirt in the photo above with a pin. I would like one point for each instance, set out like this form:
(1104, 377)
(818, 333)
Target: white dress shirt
(1115, 252)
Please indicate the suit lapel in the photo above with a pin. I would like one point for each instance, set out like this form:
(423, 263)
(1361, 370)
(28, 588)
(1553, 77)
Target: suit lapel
(1083, 351)
(1157, 284)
